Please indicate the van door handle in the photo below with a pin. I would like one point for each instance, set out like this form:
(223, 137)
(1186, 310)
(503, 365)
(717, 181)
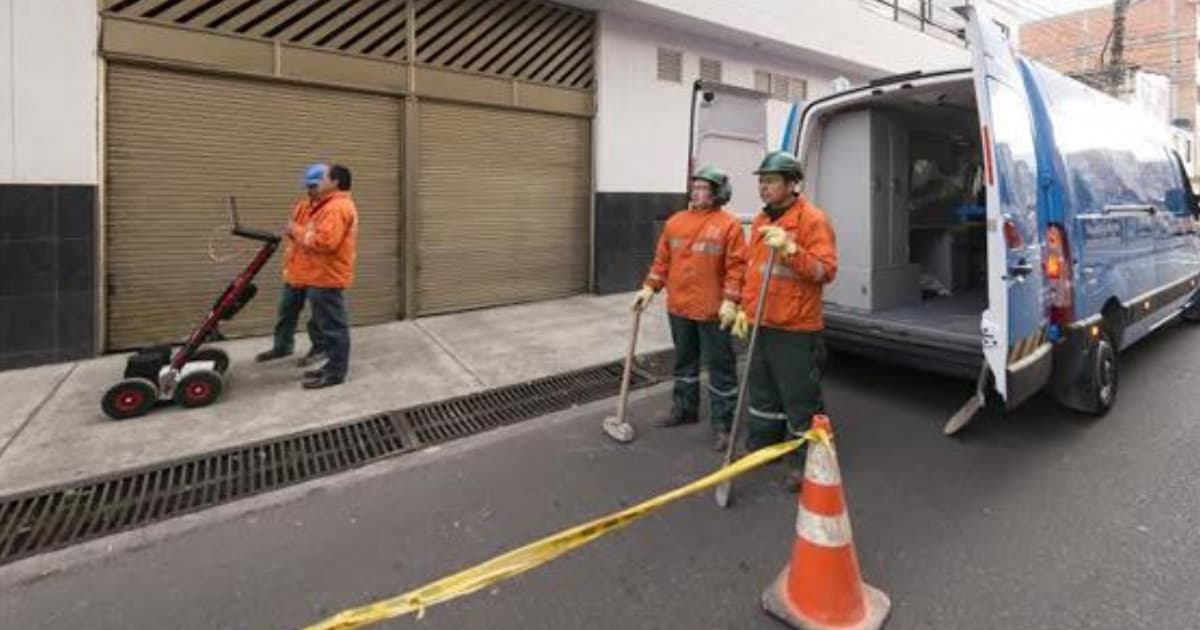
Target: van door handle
(1021, 269)
(1130, 208)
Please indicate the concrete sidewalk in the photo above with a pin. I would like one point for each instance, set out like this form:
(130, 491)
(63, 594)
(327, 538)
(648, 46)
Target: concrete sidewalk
(53, 430)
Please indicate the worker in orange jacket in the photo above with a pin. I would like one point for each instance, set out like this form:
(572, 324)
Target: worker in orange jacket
(322, 243)
(291, 298)
(785, 376)
(700, 260)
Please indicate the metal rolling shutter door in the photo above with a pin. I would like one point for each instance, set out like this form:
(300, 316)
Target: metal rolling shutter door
(178, 144)
(504, 200)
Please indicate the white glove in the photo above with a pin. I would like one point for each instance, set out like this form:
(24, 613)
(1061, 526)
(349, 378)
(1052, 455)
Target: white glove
(741, 326)
(643, 298)
(777, 238)
(727, 314)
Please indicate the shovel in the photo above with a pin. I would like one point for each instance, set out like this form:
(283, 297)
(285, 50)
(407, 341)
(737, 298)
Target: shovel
(616, 427)
(725, 490)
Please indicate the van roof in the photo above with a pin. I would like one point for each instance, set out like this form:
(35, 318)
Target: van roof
(876, 87)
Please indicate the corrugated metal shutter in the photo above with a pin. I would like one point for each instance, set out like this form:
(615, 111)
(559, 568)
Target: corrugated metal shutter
(503, 200)
(178, 144)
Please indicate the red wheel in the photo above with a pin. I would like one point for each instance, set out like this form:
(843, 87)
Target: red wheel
(198, 388)
(130, 398)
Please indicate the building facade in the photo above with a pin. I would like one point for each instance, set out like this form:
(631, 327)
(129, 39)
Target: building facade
(1160, 41)
(503, 151)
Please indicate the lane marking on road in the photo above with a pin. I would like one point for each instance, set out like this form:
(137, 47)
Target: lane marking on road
(537, 553)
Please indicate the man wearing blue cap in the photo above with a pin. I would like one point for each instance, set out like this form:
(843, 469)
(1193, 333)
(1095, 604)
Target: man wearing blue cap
(291, 300)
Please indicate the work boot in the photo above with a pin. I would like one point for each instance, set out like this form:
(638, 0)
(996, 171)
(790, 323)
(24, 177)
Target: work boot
(721, 443)
(271, 355)
(322, 381)
(677, 418)
(313, 374)
(312, 358)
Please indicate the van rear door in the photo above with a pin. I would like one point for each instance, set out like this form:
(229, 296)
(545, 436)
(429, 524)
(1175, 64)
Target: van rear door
(729, 131)
(1013, 325)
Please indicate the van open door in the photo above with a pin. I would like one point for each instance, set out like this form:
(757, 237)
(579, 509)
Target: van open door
(1016, 353)
(729, 131)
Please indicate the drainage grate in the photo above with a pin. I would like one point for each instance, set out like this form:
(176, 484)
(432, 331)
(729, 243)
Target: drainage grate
(51, 518)
(458, 417)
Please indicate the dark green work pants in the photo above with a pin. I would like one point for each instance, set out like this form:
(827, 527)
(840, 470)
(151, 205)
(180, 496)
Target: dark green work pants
(697, 342)
(785, 385)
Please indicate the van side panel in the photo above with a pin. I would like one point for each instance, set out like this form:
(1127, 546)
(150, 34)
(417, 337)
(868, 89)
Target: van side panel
(1116, 178)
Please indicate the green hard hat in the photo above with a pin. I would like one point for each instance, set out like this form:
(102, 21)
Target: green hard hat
(781, 162)
(722, 189)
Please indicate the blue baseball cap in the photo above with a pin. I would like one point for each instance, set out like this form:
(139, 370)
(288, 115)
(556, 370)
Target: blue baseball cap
(314, 173)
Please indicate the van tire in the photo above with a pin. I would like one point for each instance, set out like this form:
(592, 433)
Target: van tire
(1102, 377)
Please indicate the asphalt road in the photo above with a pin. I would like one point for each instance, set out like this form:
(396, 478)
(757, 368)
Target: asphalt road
(1042, 519)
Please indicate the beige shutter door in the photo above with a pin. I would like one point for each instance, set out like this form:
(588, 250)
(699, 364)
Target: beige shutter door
(503, 200)
(178, 144)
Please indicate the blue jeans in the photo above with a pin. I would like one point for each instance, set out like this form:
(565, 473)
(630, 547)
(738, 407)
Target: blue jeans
(291, 302)
(329, 311)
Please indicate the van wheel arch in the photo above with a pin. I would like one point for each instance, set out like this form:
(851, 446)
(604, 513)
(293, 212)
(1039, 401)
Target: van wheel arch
(1113, 321)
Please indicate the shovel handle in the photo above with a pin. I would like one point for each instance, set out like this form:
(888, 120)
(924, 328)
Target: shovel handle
(628, 372)
(745, 381)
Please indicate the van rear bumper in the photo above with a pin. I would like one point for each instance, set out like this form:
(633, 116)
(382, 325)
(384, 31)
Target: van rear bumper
(1029, 375)
(925, 349)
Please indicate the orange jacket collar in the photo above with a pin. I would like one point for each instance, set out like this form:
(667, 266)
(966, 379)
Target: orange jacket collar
(790, 215)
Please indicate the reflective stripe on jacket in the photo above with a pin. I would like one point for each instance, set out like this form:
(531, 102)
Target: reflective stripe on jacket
(323, 243)
(795, 295)
(701, 260)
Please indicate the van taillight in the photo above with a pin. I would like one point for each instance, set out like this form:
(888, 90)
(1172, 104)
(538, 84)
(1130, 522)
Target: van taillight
(1058, 276)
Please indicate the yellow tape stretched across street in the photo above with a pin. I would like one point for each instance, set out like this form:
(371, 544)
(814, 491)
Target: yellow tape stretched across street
(542, 551)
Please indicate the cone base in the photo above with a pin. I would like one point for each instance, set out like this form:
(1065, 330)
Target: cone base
(774, 601)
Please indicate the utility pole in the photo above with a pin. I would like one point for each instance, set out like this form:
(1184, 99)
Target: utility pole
(1116, 62)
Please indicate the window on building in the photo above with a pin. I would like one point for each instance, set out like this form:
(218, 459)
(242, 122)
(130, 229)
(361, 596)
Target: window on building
(789, 89)
(710, 69)
(670, 65)
(762, 81)
(781, 87)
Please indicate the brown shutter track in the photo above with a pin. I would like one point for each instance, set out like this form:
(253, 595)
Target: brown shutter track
(504, 198)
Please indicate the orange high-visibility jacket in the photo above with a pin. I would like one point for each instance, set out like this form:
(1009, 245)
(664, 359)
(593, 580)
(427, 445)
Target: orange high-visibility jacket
(795, 295)
(323, 243)
(701, 258)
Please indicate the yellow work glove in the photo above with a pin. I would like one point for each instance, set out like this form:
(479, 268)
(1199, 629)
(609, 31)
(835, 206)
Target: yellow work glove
(777, 238)
(741, 326)
(643, 298)
(728, 313)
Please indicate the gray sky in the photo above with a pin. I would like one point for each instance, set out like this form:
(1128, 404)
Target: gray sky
(1041, 9)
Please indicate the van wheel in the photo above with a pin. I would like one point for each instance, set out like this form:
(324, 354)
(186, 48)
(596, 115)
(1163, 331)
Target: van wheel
(1102, 377)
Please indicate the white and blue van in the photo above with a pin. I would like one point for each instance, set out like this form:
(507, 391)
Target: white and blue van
(1002, 221)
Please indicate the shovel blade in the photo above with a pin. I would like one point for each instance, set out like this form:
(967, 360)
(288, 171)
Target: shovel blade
(723, 494)
(619, 430)
(964, 415)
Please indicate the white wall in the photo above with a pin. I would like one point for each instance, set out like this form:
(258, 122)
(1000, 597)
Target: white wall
(835, 30)
(48, 98)
(642, 122)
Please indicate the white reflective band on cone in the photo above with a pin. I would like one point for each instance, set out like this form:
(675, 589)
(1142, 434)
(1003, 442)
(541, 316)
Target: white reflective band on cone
(824, 531)
(821, 465)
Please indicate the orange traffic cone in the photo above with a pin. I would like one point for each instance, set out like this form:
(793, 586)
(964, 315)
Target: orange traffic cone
(821, 589)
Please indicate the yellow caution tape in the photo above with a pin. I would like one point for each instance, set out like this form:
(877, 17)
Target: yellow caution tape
(540, 552)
